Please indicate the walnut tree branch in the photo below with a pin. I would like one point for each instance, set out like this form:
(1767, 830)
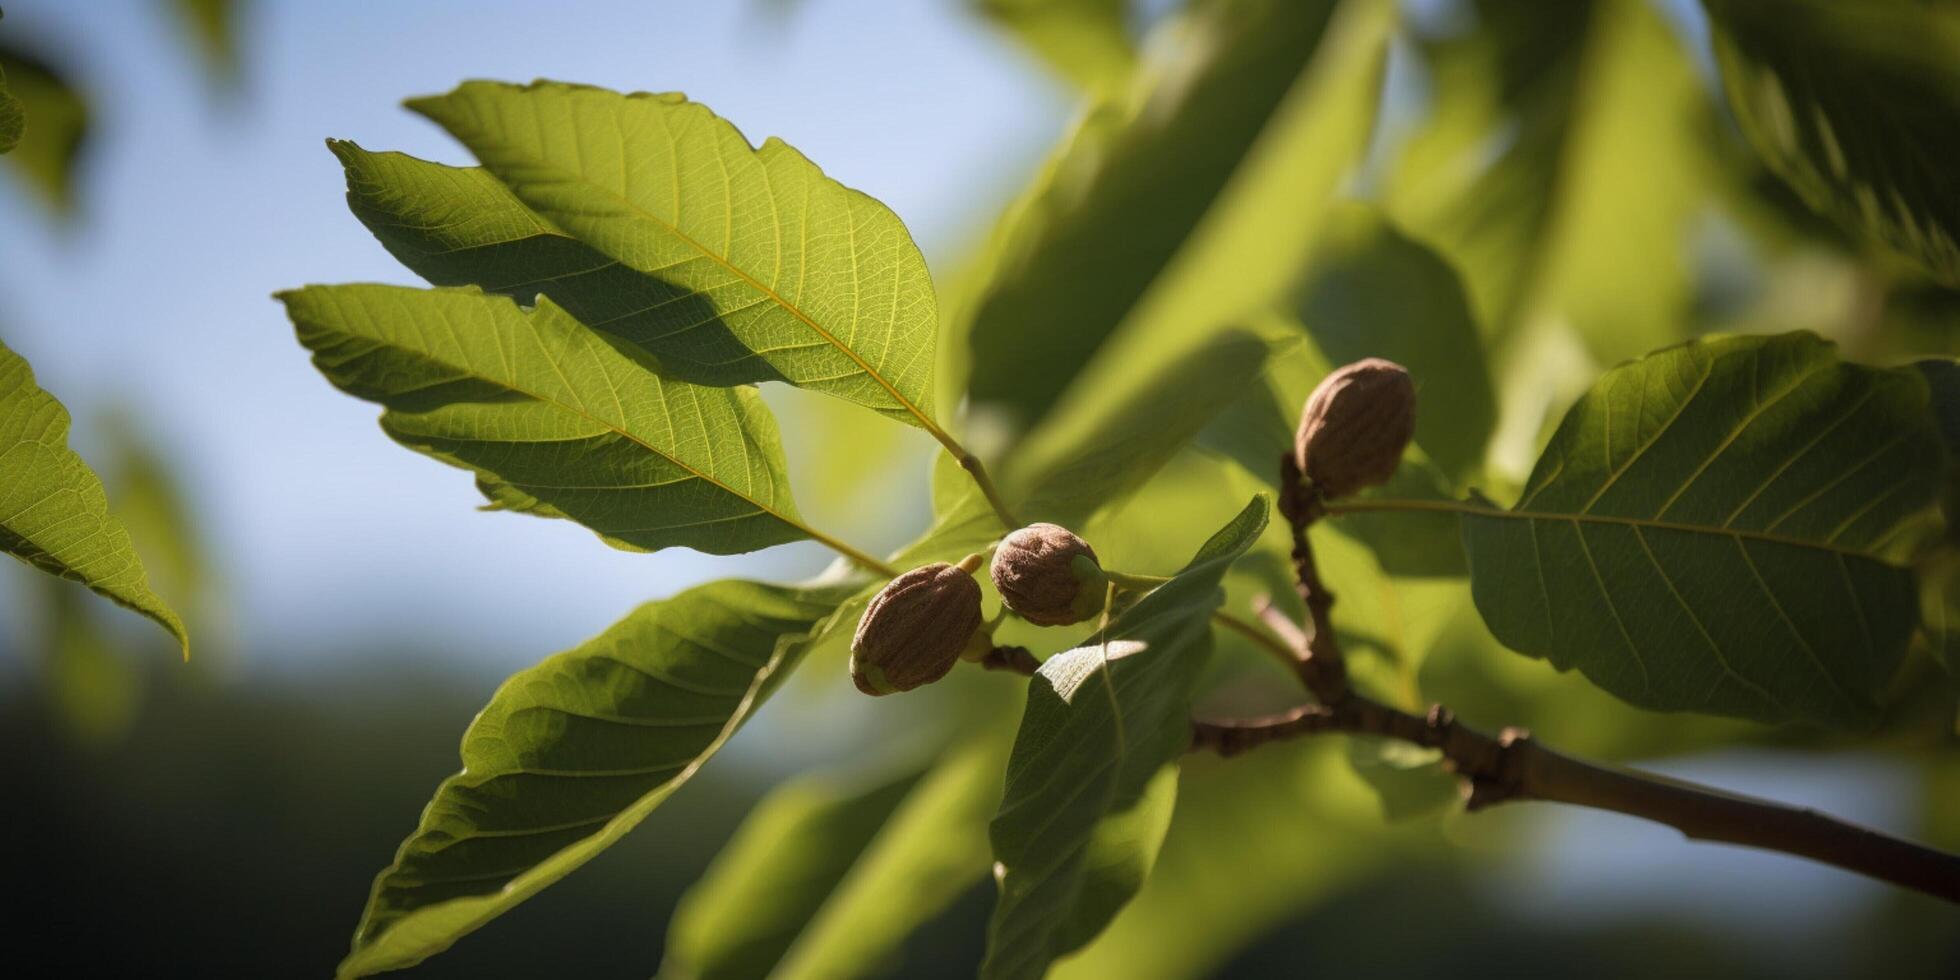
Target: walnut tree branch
(1512, 766)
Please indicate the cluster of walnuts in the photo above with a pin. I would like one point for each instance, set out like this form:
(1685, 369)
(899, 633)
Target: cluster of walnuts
(1352, 433)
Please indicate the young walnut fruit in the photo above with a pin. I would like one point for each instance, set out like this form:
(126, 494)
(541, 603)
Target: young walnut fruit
(916, 628)
(1049, 576)
(1355, 426)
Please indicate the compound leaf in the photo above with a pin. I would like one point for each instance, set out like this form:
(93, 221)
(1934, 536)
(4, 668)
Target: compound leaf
(54, 514)
(571, 754)
(1713, 529)
(1093, 775)
(554, 418)
(820, 285)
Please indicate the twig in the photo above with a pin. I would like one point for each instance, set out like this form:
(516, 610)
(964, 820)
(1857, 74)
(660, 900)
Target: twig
(1513, 766)
(1321, 666)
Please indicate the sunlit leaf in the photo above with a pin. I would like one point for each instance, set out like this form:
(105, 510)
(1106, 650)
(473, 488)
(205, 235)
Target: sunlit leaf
(1256, 840)
(1077, 462)
(54, 514)
(1713, 528)
(457, 226)
(1562, 168)
(771, 878)
(1086, 42)
(56, 124)
(1128, 189)
(571, 754)
(820, 284)
(931, 850)
(555, 419)
(1854, 105)
(1093, 775)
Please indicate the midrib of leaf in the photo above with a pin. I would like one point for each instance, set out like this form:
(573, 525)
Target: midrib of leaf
(1482, 510)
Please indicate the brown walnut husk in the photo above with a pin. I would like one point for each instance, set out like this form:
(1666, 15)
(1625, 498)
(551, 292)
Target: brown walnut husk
(1355, 426)
(915, 629)
(1048, 575)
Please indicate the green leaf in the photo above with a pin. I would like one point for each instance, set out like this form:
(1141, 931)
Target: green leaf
(48, 149)
(1075, 258)
(457, 226)
(1086, 42)
(1853, 104)
(819, 283)
(555, 419)
(1258, 841)
(1712, 529)
(932, 850)
(1093, 774)
(1086, 458)
(828, 876)
(571, 754)
(1562, 169)
(54, 514)
(776, 872)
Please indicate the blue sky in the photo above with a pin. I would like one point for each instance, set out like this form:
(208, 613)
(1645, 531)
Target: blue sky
(194, 210)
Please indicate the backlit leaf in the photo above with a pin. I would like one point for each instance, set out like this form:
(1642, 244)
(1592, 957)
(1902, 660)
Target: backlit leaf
(1713, 528)
(930, 851)
(776, 872)
(457, 226)
(571, 754)
(1078, 462)
(1093, 774)
(1124, 194)
(820, 283)
(54, 514)
(555, 419)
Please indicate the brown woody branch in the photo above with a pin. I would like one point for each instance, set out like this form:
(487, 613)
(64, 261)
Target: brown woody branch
(1513, 766)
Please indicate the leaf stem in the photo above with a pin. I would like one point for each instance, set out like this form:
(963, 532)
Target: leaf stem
(1134, 583)
(974, 468)
(1258, 636)
(853, 554)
